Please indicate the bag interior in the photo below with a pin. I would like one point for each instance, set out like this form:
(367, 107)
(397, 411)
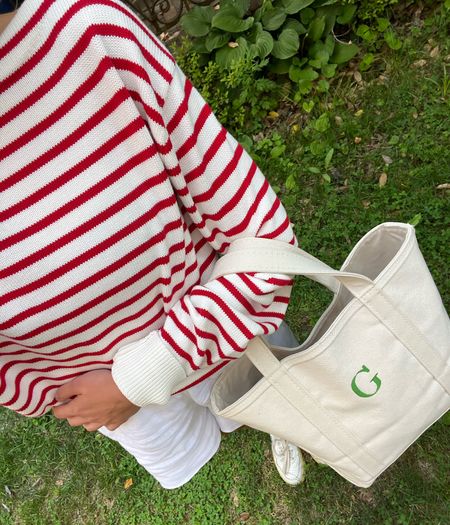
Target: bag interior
(370, 257)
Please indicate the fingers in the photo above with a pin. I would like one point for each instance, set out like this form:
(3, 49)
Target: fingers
(91, 427)
(65, 411)
(113, 426)
(68, 390)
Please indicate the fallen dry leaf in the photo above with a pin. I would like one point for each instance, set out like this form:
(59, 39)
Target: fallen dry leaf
(419, 63)
(434, 52)
(445, 186)
(365, 204)
(59, 482)
(358, 77)
(383, 179)
(338, 120)
(358, 140)
(387, 160)
(244, 516)
(273, 115)
(128, 483)
(233, 44)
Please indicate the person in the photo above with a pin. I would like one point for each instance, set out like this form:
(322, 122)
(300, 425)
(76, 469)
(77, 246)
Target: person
(119, 191)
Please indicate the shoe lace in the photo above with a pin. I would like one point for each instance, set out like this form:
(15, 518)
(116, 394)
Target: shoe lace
(282, 450)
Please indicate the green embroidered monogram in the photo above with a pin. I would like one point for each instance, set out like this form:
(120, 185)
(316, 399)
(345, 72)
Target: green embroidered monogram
(375, 379)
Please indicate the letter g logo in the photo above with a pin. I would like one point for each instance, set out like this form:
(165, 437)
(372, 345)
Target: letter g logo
(375, 380)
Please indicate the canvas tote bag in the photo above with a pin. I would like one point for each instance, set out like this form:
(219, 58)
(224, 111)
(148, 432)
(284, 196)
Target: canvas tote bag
(374, 373)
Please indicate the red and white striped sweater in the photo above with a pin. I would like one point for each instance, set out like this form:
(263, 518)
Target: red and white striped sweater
(118, 188)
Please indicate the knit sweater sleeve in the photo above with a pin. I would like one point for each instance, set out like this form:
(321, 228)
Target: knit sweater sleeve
(224, 196)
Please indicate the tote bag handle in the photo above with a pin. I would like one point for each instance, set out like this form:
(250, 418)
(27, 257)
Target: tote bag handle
(268, 255)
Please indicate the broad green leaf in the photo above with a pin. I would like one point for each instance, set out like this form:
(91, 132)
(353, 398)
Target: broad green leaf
(242, 5)
(287, 44)
(263, 45)
(326, 177)
(273, 19)
(329, 70)
(302, 74)
(317, 148)
(216, 39)
(366, 61)
(347, 13)
(199, 46)
(328, 158)
(297, 61)
(277, 151)
(383, 24)
(323, 86)
(315, 63)
(304, 86)
(226, 55)
(322, 57)
(291, 183)
(366, 33)
(294, 6)
(322, 124)
(296, 25)
(306, 15)
(392, 40)
(197, 21)
(330, 21)
(315, 29)
(308, 106)
(246, 142)
(329, 44)
(229, 19)
(320, 3)
(308, 74)
(343, 53)
(415, 220)
(254, 32)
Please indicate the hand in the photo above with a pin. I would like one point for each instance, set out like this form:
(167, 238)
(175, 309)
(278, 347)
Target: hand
(93, 400)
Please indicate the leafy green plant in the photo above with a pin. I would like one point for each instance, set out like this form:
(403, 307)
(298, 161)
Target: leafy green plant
(370, 9)
(294, 36)
(240, 95)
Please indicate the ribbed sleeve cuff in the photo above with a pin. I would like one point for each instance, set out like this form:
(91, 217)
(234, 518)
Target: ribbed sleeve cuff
(146, 372)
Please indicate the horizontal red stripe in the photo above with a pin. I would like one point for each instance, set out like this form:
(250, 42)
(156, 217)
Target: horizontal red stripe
(204, 292)
(177, 348)
(207, 374)
(59, 112)
(231, 342)
(25, 30)
(107, 270)
(65, 144)
(23, 373)
(182, 109)
(90, 224)
(98, 299)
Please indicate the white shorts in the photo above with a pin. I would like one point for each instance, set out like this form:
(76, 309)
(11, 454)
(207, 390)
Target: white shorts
(173, 441)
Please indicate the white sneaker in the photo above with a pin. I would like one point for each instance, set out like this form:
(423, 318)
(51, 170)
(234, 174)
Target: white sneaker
(288, 460)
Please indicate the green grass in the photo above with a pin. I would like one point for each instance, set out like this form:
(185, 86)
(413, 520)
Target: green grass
(58, 475)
